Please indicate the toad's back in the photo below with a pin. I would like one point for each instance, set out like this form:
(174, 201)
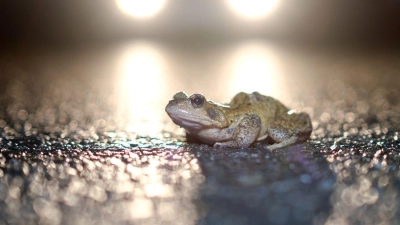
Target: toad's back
(266, 107)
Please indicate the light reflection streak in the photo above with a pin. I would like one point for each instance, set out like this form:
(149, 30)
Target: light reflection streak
(145, 79)
(254, 67)
(142, 71)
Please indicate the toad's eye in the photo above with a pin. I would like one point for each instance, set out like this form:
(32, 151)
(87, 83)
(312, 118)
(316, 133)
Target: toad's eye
(197, 100)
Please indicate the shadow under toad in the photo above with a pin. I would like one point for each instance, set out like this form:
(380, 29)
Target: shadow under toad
(254, 186)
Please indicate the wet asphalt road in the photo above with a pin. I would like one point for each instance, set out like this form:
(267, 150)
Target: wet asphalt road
(69, 154)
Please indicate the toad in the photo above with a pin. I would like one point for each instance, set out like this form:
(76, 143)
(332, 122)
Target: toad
(247, 119)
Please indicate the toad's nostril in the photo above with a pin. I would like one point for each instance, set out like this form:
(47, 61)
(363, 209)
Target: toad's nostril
(172, 103)
(168, 107)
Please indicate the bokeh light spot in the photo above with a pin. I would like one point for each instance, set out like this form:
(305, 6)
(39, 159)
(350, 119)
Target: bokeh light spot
(140, 8)
(254, 67)
(252, 9)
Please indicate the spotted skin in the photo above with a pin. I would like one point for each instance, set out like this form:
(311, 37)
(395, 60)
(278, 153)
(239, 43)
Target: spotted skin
(248, 118)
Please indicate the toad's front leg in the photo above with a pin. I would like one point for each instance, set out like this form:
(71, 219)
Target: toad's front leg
(241, 134)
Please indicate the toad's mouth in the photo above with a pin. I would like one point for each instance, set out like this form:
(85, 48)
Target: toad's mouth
(190, 121)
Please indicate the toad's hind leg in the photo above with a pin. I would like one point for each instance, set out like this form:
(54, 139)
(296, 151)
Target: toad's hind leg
(246, 130)
(290, 141)
(288, 130)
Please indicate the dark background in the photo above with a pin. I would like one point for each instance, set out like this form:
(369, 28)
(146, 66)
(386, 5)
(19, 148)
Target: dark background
(338, 22)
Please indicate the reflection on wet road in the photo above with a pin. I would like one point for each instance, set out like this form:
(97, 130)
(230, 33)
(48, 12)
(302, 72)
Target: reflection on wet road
(142, 73)
(85, 139)
(150, 73)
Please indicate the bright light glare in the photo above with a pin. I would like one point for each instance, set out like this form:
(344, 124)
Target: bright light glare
(252, 8)
(255, 68)
(142, 70)
(141, 8)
